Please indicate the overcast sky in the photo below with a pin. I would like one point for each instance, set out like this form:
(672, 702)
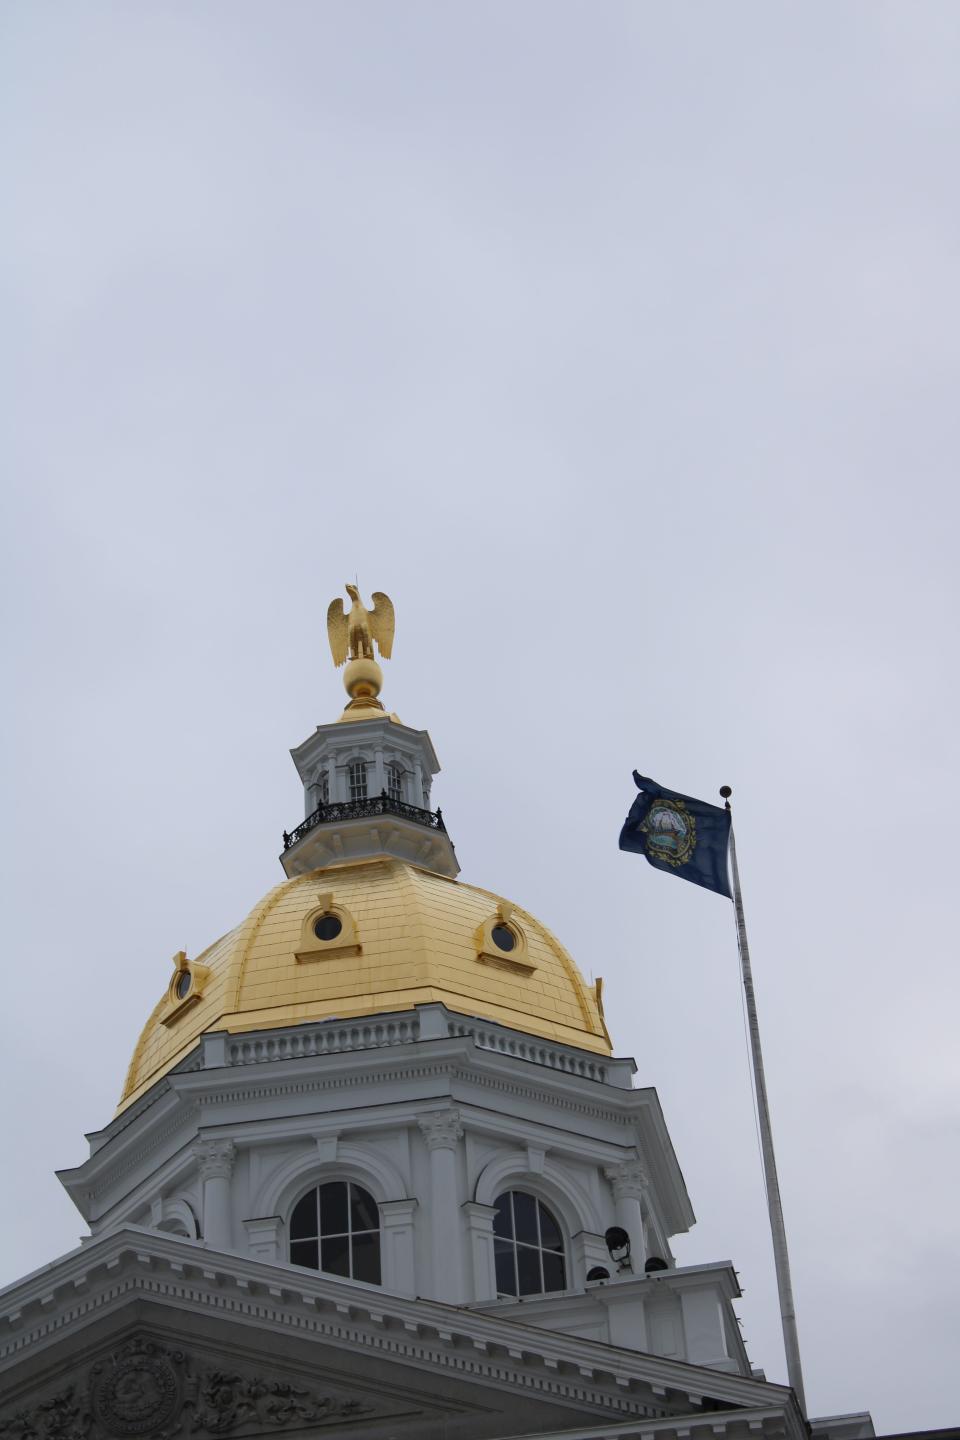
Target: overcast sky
(619, 344)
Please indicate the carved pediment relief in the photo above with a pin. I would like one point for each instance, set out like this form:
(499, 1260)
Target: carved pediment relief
(145, 1389)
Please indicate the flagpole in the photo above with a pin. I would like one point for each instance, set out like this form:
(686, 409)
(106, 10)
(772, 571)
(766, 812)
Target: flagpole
(781, 1260)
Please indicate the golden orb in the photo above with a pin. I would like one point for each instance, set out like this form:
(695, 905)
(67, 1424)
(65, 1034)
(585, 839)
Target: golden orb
(363, 679)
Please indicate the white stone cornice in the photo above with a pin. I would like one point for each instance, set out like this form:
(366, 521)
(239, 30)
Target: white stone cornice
(441, 1129)
(134, 1264)
(274, 1099)
(216, 1158)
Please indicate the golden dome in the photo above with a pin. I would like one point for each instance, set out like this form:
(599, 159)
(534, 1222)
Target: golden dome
(404, 937)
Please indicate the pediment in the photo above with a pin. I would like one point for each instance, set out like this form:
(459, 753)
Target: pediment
(144, 1382)
(145, 1335)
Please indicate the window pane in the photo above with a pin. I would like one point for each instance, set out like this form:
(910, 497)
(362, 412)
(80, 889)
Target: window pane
(550, 1236)
(528, 1268)
(525, 1215)
(364, 1214)
(506, 1275)
(503, 1220)
(366, 1258)
(333, 1208)
(335, 1255)
(553, 1276)
(303, 1221)
(304, 1252)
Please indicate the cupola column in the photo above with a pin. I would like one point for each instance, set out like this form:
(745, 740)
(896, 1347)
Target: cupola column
(216, 1160)
(629, 1182)
(442, 1131)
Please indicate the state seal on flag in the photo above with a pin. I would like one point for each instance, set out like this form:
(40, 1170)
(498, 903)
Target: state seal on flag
(671, 832)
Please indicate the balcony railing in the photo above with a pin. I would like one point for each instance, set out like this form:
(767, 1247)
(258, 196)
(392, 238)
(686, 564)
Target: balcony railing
(383, 804)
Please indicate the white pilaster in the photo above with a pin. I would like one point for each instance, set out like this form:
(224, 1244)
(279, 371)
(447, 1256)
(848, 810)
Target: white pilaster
(480, 1230)
(629, 1182)
(264, 1237)
(442, 1131)
(216, 1160)
(396, 1225)
(703, 1327)
(589, 1253)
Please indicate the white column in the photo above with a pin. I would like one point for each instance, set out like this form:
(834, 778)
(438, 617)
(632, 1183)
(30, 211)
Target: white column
(396, 1226)
(442, 1130)
(480, 1229)
(216, 1160)
(379, 774)
(629, 1180)
(418, 784)
(332, 779)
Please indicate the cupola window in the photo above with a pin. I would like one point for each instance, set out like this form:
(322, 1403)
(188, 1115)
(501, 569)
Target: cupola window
(528, 1246)
(184, 981)
(357, 779)
(336, 1228)
(395, 782)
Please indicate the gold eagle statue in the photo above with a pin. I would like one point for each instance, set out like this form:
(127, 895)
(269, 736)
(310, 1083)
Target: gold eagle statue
(352, 635)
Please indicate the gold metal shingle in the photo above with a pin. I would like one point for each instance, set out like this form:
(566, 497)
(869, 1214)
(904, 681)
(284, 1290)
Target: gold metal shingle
(418, 937)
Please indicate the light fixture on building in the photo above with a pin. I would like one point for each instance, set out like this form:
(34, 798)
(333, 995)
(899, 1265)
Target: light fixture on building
(618, 1243)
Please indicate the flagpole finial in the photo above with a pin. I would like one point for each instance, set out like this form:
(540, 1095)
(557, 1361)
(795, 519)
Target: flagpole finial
(726, 792)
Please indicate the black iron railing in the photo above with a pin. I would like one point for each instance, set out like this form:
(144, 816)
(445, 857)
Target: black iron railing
(383, 804)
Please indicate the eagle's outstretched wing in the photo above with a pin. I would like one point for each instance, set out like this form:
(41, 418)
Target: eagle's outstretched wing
(382, 622)
(338, 632)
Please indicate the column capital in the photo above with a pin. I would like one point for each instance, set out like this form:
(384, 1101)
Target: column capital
(629, 1179)
(441, 1129)
(216, 1158)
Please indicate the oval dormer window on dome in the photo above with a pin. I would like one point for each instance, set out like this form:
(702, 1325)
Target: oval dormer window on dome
(527, 1246)
(502, 942)
(328, 931)
(328, 926)
(336, 1228)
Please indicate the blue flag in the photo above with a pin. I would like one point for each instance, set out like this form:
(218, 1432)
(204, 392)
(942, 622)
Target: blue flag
(683, 836)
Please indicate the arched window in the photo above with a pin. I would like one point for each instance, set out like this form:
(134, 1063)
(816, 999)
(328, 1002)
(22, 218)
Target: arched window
(336, 1228)
(357, 776)
(394, 782)
(528, 1246)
